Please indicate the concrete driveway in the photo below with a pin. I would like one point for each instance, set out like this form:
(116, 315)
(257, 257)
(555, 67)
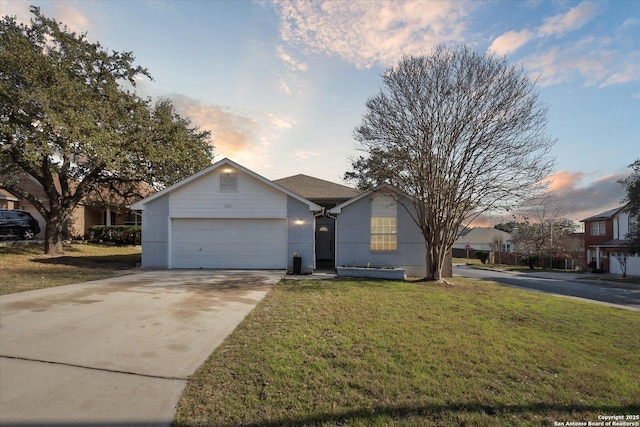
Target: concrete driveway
(116, 351)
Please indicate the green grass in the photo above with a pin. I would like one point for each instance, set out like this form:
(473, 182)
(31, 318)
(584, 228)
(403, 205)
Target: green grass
(25, 268)
(355, 352)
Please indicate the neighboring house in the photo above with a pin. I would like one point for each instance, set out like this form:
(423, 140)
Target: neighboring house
(107, 210)
(482, 239)
(606, 239)
(8, 200)
(227, 216)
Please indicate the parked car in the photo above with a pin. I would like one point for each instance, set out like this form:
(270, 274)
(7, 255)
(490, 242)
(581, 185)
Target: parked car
(18, 224)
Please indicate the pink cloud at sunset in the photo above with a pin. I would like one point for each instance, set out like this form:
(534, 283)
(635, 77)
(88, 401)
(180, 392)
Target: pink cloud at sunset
(562, 180)
(580, 197)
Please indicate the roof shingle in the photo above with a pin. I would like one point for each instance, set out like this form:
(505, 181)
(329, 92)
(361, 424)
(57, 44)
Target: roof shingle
(315, 188)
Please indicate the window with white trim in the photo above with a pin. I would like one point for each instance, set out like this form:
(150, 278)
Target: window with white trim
(384, 224)
(598, 228)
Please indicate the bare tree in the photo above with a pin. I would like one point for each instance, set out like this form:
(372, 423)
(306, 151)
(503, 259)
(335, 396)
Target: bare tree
(621, 257)
(457, 132)
(539, 224)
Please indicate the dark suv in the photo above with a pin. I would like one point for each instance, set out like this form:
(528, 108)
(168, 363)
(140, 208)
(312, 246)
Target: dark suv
(18, 224)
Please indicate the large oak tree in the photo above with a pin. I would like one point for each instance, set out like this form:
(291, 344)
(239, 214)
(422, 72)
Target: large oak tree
(458, 133)
(70, 119)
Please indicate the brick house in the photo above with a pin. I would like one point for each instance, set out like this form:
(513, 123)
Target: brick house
(103, 210)
(606, 240)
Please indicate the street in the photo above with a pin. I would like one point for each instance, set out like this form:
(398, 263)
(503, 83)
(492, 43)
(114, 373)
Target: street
(558, 284)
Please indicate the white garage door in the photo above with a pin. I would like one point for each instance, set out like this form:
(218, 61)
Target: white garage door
(229, 243)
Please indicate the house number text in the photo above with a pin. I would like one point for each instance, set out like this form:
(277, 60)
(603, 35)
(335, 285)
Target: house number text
(227, 206)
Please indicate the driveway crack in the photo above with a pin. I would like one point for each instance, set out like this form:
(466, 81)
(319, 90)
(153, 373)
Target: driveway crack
(113, 371)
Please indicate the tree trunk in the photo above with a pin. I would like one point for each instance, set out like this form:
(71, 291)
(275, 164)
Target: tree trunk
(433, 265)
(53, 239)
(53, 233)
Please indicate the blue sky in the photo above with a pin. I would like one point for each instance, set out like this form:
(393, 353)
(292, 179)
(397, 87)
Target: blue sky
(282, 84)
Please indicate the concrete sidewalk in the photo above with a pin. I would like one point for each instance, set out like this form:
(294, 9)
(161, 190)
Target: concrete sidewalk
(116, 351)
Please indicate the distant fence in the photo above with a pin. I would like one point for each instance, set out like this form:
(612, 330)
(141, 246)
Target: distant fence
(515, 258)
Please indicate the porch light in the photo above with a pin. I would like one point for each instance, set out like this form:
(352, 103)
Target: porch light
(227, 170)
(298, 221)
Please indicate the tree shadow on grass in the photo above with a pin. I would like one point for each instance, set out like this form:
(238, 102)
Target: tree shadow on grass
(434, 414)
(111, 262)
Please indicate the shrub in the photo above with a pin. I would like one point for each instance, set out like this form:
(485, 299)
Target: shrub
(483, 256)
(530, 260)
(118, 234)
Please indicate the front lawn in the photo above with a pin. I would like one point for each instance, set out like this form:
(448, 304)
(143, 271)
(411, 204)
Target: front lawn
(25, 268)
(356, 352)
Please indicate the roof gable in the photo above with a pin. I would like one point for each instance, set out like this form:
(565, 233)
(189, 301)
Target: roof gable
(604, 215)
(224, 162)
(384, 188)
(6, 195)
(483, 235)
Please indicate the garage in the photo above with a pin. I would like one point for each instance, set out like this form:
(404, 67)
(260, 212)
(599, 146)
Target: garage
(229, 243)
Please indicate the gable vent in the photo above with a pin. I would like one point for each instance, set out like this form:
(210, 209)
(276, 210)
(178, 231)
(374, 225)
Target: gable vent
(229, 181)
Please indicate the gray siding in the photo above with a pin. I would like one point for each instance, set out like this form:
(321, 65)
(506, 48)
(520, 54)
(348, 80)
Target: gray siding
(202, 198)
(155, 229)
(353, 241)
(300, 237)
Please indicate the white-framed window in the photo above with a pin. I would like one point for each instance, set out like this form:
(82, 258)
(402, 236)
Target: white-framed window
(229, 181)
(598, 228)
(384, 235)
(384, 224)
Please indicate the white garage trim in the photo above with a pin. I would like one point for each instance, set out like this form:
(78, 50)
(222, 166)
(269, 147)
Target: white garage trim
(231, 243)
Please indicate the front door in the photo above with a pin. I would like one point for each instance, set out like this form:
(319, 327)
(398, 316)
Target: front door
(325, 244)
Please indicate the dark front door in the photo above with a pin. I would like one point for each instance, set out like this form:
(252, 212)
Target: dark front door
(325, 242)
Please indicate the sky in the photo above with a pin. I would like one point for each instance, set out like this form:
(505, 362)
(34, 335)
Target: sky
(282, 84)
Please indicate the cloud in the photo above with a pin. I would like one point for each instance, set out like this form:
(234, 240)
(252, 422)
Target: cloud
(291, 63)
(294, 67)
(279, 122)
(630, 23)
(572, 20)
(629, 71)
(248, 139)
(597, 61)
(581, 201)
(563, 180)
(510, 42)
(284, 86)
(601, 61)
(17, 8)
(371, 33)
(232, 134)
(304, 155)
(68, 15)
(72, 18)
